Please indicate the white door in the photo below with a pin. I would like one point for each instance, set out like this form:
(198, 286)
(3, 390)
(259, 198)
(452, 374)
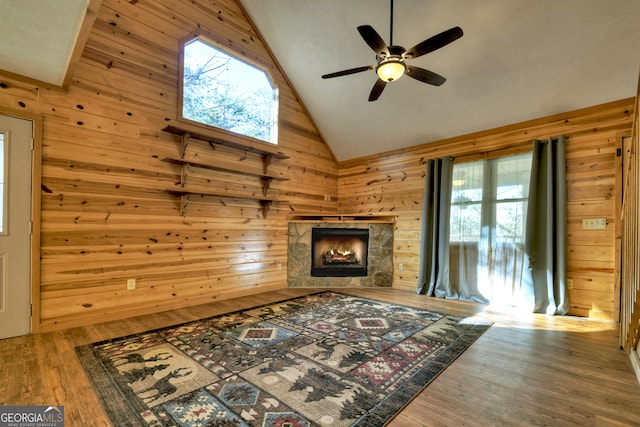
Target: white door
(16, 136)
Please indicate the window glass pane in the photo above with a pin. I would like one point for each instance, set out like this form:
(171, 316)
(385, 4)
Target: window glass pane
(3, 183)
(465, 223)
(504, 184)
(466, 197)
(510, 225)
(513, 175)
(467, 182)
(223, 91)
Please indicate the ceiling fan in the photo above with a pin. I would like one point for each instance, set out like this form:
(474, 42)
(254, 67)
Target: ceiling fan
(391, 60)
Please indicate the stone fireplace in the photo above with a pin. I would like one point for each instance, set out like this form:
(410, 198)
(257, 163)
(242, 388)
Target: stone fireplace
(340, 251)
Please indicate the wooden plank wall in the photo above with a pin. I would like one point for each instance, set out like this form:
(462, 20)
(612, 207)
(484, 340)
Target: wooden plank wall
(105, 215)
(392, 183)
(630, 237)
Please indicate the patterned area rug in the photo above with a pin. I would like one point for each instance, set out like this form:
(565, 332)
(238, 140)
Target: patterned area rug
(326, 359)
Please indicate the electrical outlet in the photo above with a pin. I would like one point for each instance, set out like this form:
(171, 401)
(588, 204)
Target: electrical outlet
(279, 266)
(570, 283)
(401, 267)
(131, 284)
(594, 224)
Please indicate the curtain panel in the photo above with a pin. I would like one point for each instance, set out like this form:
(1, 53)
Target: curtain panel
(546, 238)
(433, 277)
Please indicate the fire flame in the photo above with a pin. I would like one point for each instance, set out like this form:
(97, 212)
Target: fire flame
(341, 252)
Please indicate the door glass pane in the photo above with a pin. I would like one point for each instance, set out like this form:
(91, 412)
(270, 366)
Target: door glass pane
(466, 202)
(513, 177)
(3, 182)
(512, 193)
(511, 227)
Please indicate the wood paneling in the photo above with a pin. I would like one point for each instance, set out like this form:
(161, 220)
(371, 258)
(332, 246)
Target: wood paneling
(105, 215)
(392, 183)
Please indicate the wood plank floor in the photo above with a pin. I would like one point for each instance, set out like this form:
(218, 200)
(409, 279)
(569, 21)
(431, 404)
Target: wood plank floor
(526, 370)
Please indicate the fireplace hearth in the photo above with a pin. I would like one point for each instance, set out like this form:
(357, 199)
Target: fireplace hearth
(339, 252)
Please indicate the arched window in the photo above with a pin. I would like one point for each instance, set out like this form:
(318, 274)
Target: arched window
(218, 89)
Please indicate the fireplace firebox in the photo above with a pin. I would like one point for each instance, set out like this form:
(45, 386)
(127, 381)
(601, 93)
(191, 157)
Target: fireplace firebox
(339, 252)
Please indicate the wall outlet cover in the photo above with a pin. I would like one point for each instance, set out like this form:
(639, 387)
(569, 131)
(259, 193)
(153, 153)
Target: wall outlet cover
(594, 224)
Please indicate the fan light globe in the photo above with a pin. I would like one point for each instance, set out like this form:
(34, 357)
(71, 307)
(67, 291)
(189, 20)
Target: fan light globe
(390, 70)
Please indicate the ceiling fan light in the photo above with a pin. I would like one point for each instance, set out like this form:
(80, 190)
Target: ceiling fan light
(390, 70)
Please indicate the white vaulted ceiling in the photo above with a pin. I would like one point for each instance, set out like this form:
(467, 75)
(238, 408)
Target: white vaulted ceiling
(38, 36)
(518, 60)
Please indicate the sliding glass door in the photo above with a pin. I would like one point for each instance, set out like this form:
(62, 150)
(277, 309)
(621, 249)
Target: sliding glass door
(487, 227)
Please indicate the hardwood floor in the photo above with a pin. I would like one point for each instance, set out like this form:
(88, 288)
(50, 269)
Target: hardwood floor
(526, 370)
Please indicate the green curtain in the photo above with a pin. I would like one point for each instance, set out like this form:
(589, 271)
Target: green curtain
(433, 278)
(546, 240)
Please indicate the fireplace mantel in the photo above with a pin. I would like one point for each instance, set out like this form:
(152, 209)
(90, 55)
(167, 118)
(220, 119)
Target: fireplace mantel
(343, 218)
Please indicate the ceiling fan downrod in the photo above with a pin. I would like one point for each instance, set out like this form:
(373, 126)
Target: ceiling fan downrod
(391, 25)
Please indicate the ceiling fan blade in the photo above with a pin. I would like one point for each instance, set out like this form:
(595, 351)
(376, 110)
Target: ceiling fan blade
(349, 71)
(373, 39)
(435, 42)
(425, 76)
(377, 89)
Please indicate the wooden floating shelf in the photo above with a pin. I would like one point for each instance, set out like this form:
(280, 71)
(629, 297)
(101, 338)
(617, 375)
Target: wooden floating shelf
(222, 169)
(265, 180)
(190, 133)
(185, 198)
